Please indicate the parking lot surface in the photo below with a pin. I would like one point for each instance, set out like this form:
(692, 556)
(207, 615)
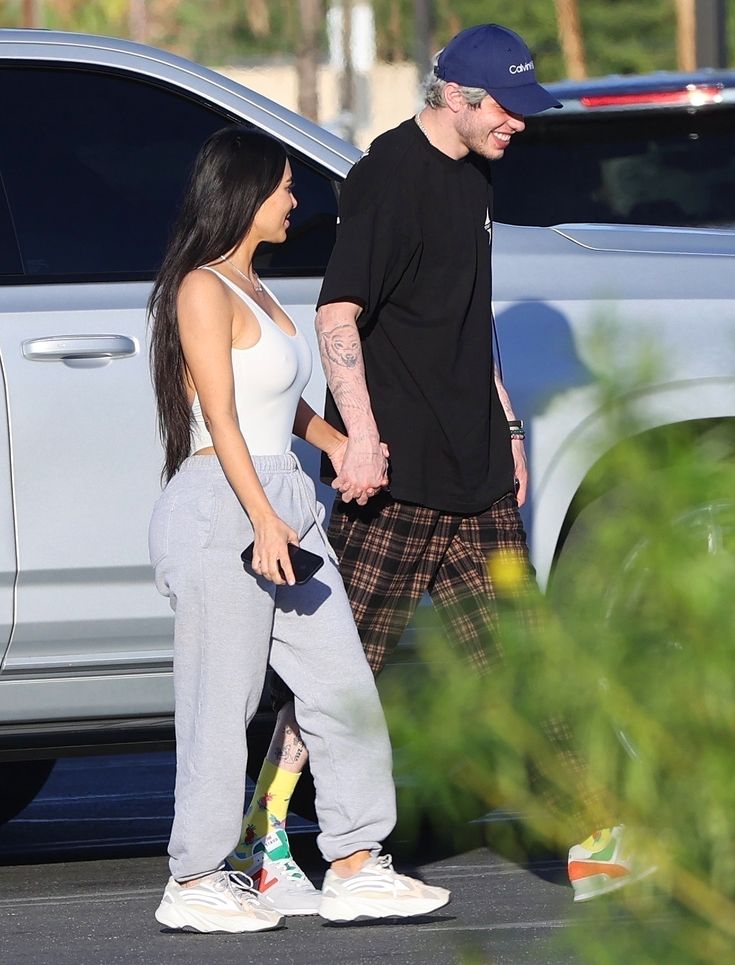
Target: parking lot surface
(83, 867)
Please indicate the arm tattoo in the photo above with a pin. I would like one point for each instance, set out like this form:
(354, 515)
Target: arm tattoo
(503, 395)
(344, 396)
(341, 355)
(341, 345)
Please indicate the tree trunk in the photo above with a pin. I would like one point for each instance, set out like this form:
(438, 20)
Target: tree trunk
(30, 13)
(347, 98)
(701, 34)
(686, 35)
(424, 17)
(570, 35)
(138, 20)
(258, 17)
(307, 57)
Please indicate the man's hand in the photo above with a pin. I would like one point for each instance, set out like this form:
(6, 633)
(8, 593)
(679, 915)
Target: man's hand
(362, 470)
(520, 469)
(520, 465)
(364, 464)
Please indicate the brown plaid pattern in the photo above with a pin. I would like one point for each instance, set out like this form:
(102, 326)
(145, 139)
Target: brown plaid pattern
(391, 553)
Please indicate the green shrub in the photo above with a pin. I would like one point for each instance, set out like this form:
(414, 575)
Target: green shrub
(616, 699)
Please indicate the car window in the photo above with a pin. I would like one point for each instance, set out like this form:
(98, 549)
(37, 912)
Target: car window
(9, 256)
(675, 168)
(94, 183)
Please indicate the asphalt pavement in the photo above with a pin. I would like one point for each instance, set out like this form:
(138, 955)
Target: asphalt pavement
(83, 867)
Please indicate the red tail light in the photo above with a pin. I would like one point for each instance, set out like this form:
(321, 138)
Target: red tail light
(694, 95)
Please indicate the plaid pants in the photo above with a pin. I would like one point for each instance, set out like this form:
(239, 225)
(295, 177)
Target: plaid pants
(391, 553)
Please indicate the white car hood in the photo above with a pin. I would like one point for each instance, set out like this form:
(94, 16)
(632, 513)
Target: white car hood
(648, 238)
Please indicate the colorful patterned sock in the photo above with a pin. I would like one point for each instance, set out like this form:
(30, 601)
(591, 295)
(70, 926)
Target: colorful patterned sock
(266, 814)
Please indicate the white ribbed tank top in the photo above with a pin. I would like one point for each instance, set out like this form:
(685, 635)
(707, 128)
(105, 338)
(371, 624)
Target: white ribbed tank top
(269, 379)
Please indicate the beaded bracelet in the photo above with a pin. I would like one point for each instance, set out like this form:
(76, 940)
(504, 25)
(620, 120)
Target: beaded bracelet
(515, 427)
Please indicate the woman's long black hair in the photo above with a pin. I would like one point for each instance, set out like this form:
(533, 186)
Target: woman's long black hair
(234, 173)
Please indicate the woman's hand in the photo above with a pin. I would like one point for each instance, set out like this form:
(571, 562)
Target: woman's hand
(360, 496)
(270, 552)
(337, 454)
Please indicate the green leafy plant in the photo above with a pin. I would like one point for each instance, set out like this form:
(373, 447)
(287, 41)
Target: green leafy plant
(615, 701)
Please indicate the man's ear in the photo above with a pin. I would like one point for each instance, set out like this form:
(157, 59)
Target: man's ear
(453, 97)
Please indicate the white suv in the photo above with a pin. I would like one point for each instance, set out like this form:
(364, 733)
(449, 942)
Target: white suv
(95, 144)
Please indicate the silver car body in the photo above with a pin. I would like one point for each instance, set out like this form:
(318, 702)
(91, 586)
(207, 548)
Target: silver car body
(83, 634)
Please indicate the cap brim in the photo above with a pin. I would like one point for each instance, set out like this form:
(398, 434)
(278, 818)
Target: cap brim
(524, 98)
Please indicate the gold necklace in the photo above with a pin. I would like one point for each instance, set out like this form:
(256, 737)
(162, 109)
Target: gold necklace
(257, 286)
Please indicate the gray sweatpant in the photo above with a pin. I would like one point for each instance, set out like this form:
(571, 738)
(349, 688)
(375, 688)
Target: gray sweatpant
(229, 624)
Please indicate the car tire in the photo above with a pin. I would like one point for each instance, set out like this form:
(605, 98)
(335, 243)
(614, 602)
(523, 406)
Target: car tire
(711, 521)
(708, 525)
(21, 781)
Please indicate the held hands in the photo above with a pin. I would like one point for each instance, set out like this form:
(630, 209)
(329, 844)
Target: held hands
(270, 552)
(361, 467)
(337, 455)
(520, 469)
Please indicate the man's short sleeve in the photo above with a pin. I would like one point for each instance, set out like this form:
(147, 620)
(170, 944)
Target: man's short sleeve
(372, 248)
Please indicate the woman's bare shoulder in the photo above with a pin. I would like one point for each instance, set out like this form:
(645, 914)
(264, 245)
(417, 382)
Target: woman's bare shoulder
(204, 306)
(201, 281)
(201, 287)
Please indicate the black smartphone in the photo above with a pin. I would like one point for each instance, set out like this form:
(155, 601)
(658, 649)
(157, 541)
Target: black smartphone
(304, 563)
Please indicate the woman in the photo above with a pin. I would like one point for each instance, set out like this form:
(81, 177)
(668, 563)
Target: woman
(229, 367)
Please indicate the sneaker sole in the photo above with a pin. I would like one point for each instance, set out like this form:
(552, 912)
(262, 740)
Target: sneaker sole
(296, 912)
(342, 910)
(603, 885)
(192, 921)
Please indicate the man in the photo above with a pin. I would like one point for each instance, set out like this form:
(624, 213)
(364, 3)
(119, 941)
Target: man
(435, 467)
(406, 343)
(405, 340)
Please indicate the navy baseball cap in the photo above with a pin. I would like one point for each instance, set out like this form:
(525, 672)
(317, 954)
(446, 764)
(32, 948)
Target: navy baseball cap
(497, 60)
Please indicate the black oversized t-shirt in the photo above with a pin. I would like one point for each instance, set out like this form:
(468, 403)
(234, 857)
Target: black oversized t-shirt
(413, 250)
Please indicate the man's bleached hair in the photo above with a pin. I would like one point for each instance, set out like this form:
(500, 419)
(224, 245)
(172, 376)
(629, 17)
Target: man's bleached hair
(434, 90)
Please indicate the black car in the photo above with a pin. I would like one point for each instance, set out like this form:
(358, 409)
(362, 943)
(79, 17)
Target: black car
(655, 150)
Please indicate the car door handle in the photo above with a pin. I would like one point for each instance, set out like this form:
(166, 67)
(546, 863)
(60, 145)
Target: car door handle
(69, 347)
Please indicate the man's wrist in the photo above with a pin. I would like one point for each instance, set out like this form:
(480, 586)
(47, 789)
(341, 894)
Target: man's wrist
(364, 438)
(516, 429)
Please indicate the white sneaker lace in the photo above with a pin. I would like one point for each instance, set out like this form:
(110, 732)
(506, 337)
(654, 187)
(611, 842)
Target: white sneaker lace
(241, 887)
(385, 863)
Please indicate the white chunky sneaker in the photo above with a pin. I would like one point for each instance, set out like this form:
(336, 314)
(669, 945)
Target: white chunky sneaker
(377, 891)
(221, 902)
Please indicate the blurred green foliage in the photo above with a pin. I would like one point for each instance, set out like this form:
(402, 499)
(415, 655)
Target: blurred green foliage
(621, 36)
(615, 702)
